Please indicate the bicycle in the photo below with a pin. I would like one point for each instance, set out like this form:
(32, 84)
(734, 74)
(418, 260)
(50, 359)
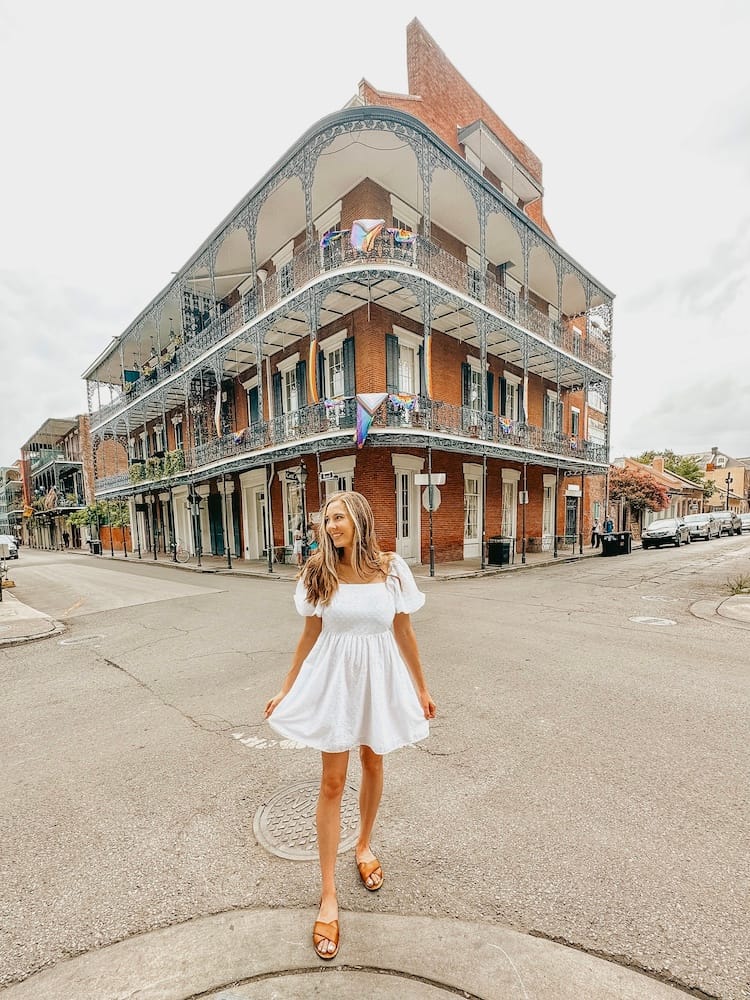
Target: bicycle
(179, 553)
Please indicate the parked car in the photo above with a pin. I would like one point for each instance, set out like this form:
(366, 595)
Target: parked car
(729, 522)
(702, 526)
(666, 531)
(745, 522)
(10, 541)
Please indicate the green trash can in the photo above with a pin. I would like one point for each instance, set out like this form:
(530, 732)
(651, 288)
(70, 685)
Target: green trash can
(610, 545)
(498, 551)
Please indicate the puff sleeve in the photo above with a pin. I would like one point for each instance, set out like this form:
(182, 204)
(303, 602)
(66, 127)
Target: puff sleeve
(407, 597)
(302, 605)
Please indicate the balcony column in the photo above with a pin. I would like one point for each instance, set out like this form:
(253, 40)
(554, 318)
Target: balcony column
(427, 348)
(426, 165)
(259, 368)
(483, 209)
(307, 174)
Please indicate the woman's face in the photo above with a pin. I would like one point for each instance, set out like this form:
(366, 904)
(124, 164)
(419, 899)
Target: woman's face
(339, 524)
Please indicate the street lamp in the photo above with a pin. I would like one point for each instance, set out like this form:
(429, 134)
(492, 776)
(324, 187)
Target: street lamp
(729, 482)
(299, 476)
(194, 503)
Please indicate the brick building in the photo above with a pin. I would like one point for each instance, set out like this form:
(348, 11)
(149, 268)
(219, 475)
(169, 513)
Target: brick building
(395, 260)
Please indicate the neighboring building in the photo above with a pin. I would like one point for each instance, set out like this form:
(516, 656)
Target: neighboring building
(54, 481)
(11, 500)
(685, 496)
(398, 252)
(731, 478)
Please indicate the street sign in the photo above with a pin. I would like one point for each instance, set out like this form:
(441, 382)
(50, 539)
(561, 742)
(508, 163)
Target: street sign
(423, 479)
(326, 477)
(431, 498)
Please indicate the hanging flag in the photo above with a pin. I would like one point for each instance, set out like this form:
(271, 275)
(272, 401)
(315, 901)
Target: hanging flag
(367, 406)
(331, 236)
(364, 232)
(312, 369)
(217, 412)
(427, 361)
(402, 401)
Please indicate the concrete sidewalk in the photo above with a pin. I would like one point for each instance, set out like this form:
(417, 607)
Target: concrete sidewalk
(20, 623)
(268, 955)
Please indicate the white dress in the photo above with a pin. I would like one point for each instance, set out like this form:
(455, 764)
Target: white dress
(354, 687)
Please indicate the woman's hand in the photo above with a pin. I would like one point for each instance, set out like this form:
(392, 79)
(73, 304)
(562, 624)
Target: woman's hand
(273, 703)
(428, 705)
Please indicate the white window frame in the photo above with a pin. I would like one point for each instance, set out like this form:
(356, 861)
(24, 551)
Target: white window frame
(145, 451)
(280, 262)
(343, 469)
(472, 501)
(552, 406)
(329, 346)
(405, 213)
(575, 422)
(596, 433)
(512, 383)
(509, 479)
(330, 219)
(248, 386)
(413, 342)
(159, 437)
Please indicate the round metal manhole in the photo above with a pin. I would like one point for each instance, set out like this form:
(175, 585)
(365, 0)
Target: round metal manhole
(646, 620)
(285, 825)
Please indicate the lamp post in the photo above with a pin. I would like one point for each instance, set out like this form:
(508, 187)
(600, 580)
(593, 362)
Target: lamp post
(729, 482)
(299, 476)
(194, 501)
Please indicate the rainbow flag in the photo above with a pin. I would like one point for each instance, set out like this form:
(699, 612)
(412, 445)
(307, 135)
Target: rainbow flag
(364, 233)
(367, 406)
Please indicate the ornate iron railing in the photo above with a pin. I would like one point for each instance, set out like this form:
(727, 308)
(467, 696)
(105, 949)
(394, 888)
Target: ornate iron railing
(310, 261)
(416, 414)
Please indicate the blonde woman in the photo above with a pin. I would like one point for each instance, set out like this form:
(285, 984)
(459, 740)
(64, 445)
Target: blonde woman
(355, 681)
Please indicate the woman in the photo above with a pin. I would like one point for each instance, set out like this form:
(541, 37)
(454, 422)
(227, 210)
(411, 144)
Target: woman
(355, 680)
(298, 539)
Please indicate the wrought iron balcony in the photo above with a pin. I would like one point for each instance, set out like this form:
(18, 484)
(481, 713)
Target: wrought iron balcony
(310, 261)
(428, 416)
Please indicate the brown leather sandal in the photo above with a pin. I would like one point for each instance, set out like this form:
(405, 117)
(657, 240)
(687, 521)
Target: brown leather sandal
(368, 868)
(326, 932)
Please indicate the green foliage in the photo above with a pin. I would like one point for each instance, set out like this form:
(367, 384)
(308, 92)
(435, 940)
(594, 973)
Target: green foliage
(638, 489)
(680, 465)
(113, 512)
(174, 462)
(738, 585)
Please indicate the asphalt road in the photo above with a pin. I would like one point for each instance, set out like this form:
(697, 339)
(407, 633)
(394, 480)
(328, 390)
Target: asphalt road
(586, 779)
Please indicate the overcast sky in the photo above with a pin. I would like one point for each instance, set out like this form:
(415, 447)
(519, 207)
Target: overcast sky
(130, 130)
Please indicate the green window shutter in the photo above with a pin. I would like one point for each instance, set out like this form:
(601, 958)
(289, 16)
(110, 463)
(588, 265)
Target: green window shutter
(465, 384)
(278, 403)
(253, 401)
(320, 364)
(349, 370)
(301, 372)
(503, 396)
(391, 363)
(490, 392)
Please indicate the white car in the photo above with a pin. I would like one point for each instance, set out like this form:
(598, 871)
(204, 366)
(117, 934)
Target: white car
(10, 541)
(702, 526)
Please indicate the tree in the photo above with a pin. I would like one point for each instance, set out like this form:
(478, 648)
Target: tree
(113, 512)
(638, 489)
(681, 465)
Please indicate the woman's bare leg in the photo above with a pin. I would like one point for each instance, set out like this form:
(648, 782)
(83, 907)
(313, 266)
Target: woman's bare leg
(370, 793)
(328, 819)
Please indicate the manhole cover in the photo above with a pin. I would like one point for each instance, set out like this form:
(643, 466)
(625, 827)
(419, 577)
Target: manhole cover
(645, 620)
(285, 825)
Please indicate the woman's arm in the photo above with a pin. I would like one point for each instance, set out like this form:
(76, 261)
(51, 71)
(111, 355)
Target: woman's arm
(406, 641)
(309, 637)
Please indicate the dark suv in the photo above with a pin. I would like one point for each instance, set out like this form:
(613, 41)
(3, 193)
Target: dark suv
(729, 522)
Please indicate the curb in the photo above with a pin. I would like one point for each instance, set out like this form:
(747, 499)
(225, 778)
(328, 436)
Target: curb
(411, 958)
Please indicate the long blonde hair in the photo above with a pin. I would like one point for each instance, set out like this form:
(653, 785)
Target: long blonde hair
(320, 574)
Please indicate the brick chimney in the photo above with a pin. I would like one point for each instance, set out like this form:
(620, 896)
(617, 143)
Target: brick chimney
(658, 463)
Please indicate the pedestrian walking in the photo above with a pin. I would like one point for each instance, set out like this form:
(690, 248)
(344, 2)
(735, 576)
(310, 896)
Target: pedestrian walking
(297, 548)
(66, 539)
(608, 525)
(596, 534)
(355, 681)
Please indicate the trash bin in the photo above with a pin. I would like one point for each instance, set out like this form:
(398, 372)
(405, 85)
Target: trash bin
(498, 551)
(617, 543)
(96, 546)
(610, 545)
